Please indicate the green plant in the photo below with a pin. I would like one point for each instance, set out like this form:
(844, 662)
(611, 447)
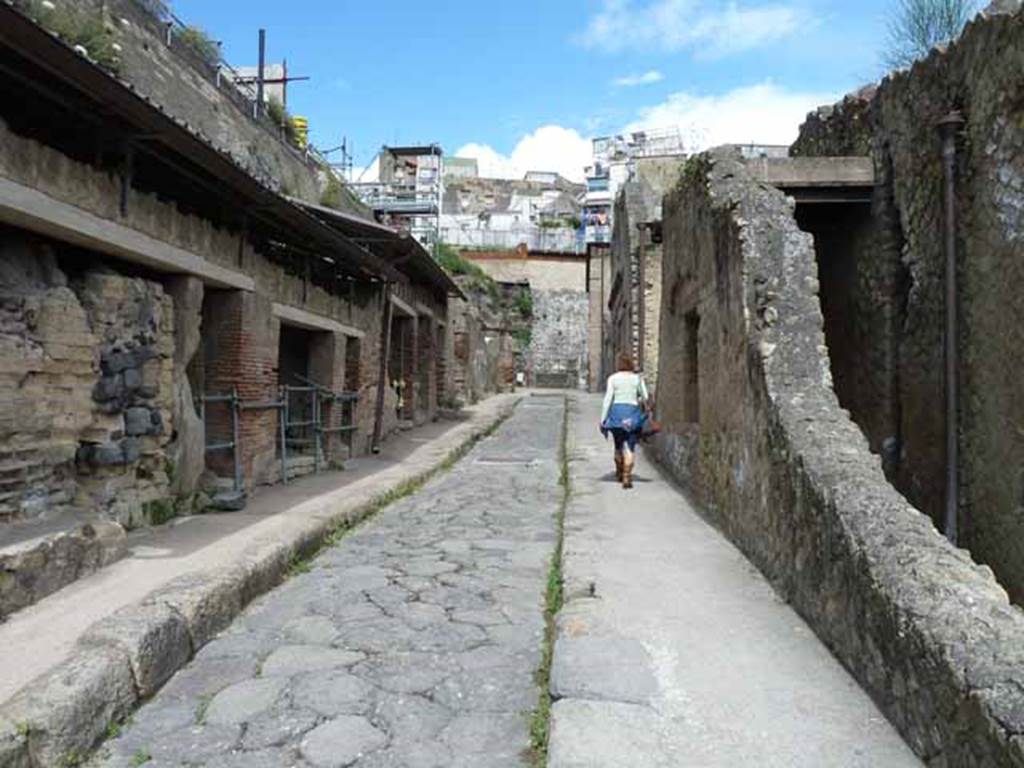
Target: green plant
(523, 337)
(199, 41)
(331, 196)
(454, 263)
(540, 718)
(280, 117)
(113, 729)
(79, 27)
(141, 757)
(524, 302)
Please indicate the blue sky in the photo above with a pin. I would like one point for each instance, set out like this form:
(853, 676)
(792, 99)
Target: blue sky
(524, 84)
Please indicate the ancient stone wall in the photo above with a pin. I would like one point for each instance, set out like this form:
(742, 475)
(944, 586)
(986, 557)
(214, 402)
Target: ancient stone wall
(786, 473)
(636, 254)
(901, 278)
(126, 385)
(483, 358)
(558, 344)
(556, 319)
(88, 388)
(598, 257)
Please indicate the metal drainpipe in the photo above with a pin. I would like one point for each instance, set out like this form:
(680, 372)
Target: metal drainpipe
(949, 128)
(382, 370)
(641, 300)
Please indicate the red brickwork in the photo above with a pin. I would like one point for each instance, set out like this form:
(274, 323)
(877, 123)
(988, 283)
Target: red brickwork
(241, 338)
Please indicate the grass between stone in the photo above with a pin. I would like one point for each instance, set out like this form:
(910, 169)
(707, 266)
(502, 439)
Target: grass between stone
(540, 719)
(302, 562)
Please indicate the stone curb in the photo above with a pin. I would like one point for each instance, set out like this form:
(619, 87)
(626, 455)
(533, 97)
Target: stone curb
(125, 658)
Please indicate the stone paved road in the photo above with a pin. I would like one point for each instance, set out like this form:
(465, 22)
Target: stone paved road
(413, 643)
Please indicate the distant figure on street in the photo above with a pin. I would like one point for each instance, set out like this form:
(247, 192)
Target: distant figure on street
(623, 416)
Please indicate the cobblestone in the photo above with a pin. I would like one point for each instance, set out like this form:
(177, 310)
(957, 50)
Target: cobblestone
(412, 643)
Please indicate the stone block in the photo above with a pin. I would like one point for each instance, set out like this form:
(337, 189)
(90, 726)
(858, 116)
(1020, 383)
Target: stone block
(67, 711)
(137, 421)
(105, 455)
(132, 379)
(154, 638)
(609, 668)
(109, 388)
(208, 602)
(131, 449)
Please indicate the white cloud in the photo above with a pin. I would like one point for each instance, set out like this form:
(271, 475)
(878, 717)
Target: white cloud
(674, 25)
(764, 113)
(549, 148)
(631, 81)
(760, 114)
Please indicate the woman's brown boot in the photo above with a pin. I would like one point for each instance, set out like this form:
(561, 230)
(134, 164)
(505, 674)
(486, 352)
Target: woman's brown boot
(619, 465)
(627, 470)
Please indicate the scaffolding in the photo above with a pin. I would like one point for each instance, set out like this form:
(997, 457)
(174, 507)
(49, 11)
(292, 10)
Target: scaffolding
(300, 424)
(410, 191)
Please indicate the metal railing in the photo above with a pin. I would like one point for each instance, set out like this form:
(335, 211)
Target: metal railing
(221, 70)
(307, 430)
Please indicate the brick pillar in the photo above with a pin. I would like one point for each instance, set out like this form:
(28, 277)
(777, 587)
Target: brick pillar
(327, 368)
(240, 337)
(426, 401)
(410, 366)
(444, 351)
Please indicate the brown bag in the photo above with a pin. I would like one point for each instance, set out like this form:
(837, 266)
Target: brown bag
(651, 425)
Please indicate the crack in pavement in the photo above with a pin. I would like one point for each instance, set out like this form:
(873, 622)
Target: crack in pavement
(411, 642)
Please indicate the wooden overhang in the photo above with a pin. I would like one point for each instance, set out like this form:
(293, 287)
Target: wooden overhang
(399, 249)
(33, 59)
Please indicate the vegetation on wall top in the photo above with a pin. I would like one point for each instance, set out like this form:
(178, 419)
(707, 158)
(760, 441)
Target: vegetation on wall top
(199, 41)
(80, 28)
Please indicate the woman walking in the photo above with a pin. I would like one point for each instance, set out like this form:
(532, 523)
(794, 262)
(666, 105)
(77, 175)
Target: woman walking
(623, 416)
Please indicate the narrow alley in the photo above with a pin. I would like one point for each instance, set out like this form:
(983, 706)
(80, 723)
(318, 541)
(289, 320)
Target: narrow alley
(416, 640)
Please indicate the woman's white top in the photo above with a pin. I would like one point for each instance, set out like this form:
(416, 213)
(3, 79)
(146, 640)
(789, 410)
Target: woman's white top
(624, 387)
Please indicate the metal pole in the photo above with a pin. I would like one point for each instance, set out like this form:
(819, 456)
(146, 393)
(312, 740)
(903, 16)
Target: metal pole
(949, 127)
(234, 439)
(260, 71)
(315, 394)
(282, 420)
(382, 375)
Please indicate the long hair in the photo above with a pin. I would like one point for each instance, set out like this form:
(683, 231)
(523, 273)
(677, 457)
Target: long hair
(625, 362)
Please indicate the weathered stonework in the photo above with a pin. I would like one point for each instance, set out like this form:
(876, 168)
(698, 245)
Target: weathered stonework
(789, 476)
(88, 390)
(898, 301)
(634, 293)
(558, 342)
(555, 324)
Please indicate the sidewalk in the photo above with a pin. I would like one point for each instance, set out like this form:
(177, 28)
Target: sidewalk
(44, 635)
(673, 651)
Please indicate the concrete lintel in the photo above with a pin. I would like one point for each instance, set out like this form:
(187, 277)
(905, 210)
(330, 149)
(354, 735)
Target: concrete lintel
(311, 322)
(31, 209)
(808, 172)
(402, 306)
